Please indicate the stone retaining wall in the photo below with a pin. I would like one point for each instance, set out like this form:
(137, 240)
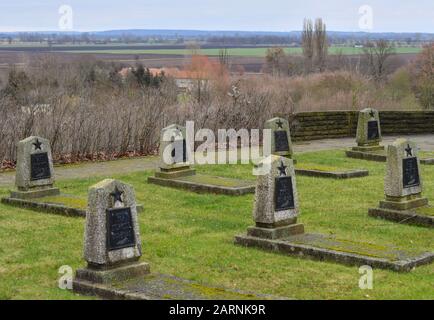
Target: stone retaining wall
(339, 124)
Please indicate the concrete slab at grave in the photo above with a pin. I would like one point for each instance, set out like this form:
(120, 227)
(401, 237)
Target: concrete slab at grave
(62, 204)
(328, 248)
(175, 169)
(164, 287)
(368, 137)
(403, 186)
(207, 184)
(331, 173)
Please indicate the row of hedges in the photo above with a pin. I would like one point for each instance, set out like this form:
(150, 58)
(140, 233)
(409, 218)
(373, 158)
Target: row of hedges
(323, 125)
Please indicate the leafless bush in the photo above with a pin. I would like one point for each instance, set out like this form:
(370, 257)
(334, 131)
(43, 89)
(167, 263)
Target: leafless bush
(88, 111)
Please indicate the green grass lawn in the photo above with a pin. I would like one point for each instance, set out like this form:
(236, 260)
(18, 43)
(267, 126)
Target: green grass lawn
(191, 236)
(241, 52)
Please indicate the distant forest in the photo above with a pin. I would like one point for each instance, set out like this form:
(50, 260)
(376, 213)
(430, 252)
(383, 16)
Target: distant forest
(183, 37)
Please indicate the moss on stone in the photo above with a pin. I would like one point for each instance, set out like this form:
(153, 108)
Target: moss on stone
(426, 211)
(217, 181)
(64, 200)
(318, 167)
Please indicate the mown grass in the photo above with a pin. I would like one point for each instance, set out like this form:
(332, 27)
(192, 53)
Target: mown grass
(191, 236)
(241, 52)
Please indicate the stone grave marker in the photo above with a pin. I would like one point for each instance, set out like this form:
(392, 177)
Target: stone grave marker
(112, 245)
(174, 153)
(281, 144)
(34, 171)
(368, 129)
(276, 201)
(403, 186)
(368, 137)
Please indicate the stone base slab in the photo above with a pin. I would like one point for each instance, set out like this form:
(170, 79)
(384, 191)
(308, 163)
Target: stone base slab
(404, 217)
(332, 174)
(162, 287)
(36, 193)
(175, 173)
(121, 273)
(368, 148)
(378, 157)
(328, 248)
(276, 233)
(47, 207)
(207, 184)
(44, 207)
(428, 161)
(404, 204)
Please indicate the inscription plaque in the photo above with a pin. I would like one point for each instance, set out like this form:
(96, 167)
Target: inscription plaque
(283, 194)
(39, 166)
(179, 152)
(373, 132)
(410, 170)
(281, 141)
(120, 230)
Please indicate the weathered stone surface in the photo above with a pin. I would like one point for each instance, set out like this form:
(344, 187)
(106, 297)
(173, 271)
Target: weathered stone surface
(108, 195)
(175, 173)
(368, 128)
(367, 155)
(329, 248)
(163, 287)
(112, 275)
(277, 232)
(411, 217)
(281, 144)
(174, 150)
(398, 153)
(112, 245)
(34, 164)
(206, 184)
(267, 209)
(344, 174)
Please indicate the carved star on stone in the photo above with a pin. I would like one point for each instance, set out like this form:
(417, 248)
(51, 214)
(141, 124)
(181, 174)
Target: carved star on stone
(372, 113)
(117, 195)
(37, 145)
(409, 151)
(282, 169)
(279, 124)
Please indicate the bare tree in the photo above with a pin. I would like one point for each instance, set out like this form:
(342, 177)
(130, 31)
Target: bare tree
(307, 44)
(224, 57)
(376, 54)
(275, 57)
(320, 44)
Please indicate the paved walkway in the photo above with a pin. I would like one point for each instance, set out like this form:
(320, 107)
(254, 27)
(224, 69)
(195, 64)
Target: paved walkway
(84, 170)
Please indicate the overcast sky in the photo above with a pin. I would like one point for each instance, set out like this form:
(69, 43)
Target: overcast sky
(249, 15)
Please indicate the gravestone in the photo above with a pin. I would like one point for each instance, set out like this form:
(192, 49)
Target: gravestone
(276, 201)
(368, 128)
(403, 181)
(34, 170)
(403, 188)
(112, 246)
(368, 137)
(174, 153)
(281, 144)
